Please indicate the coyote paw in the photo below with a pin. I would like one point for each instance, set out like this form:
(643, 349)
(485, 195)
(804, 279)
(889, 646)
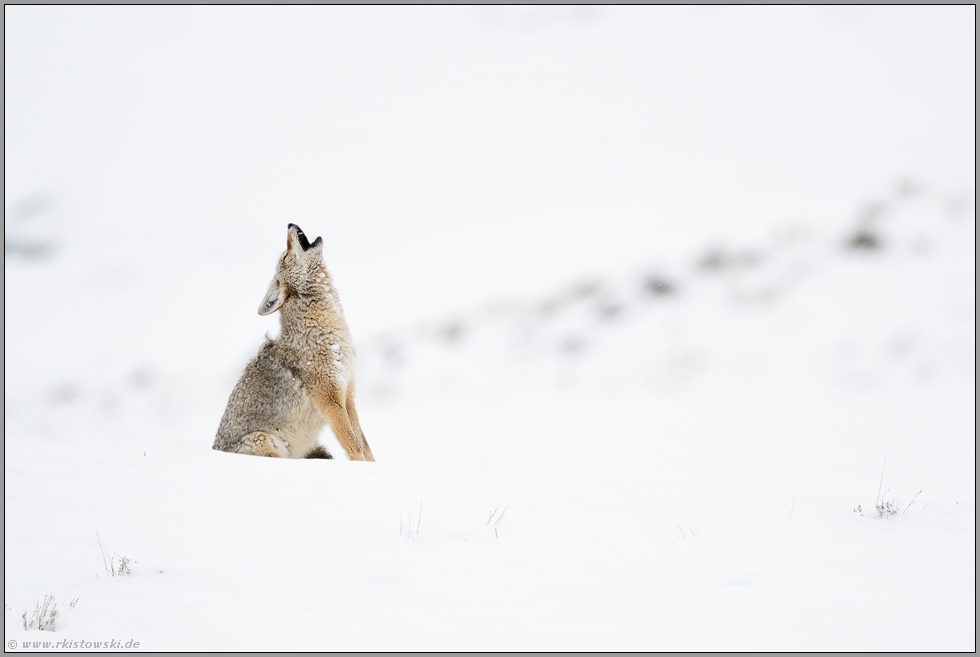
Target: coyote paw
(260, 443)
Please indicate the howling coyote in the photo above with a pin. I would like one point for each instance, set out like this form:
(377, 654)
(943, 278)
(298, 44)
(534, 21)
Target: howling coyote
(303, 379)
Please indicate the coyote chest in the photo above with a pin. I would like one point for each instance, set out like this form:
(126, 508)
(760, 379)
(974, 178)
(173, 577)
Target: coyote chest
(326, 361)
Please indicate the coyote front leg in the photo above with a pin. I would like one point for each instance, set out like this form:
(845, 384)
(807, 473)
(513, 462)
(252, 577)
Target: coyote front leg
(343, 428)
(352, 413)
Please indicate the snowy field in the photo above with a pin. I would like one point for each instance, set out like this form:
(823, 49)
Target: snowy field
(665, 322)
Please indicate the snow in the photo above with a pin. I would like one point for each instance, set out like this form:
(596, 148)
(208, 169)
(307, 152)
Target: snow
(628, 357)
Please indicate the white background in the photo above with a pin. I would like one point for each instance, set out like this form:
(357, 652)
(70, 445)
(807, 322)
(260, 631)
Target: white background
(679, 470)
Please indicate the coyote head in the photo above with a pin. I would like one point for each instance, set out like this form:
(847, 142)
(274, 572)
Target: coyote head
(301, 271)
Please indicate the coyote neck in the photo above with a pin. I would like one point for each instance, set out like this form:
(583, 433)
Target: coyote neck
(312, 319)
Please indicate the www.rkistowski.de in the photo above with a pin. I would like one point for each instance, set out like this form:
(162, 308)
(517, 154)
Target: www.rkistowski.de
(70, 644)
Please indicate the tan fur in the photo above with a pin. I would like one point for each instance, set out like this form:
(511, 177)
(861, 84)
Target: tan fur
(304, 379)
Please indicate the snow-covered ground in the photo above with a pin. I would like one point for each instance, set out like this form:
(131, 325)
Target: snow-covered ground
(653, 307)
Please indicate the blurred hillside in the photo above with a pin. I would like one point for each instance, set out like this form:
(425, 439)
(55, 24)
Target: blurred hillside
(448, 156)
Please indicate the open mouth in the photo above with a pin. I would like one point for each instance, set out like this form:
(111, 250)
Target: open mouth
(303, 242)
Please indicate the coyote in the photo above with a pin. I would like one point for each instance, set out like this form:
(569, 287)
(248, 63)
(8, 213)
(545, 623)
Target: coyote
(303, 379)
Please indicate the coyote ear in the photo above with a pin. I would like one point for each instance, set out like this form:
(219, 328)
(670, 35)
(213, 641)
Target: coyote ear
(274, 298)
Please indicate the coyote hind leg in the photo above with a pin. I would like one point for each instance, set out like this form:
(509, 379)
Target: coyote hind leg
(260, 443)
